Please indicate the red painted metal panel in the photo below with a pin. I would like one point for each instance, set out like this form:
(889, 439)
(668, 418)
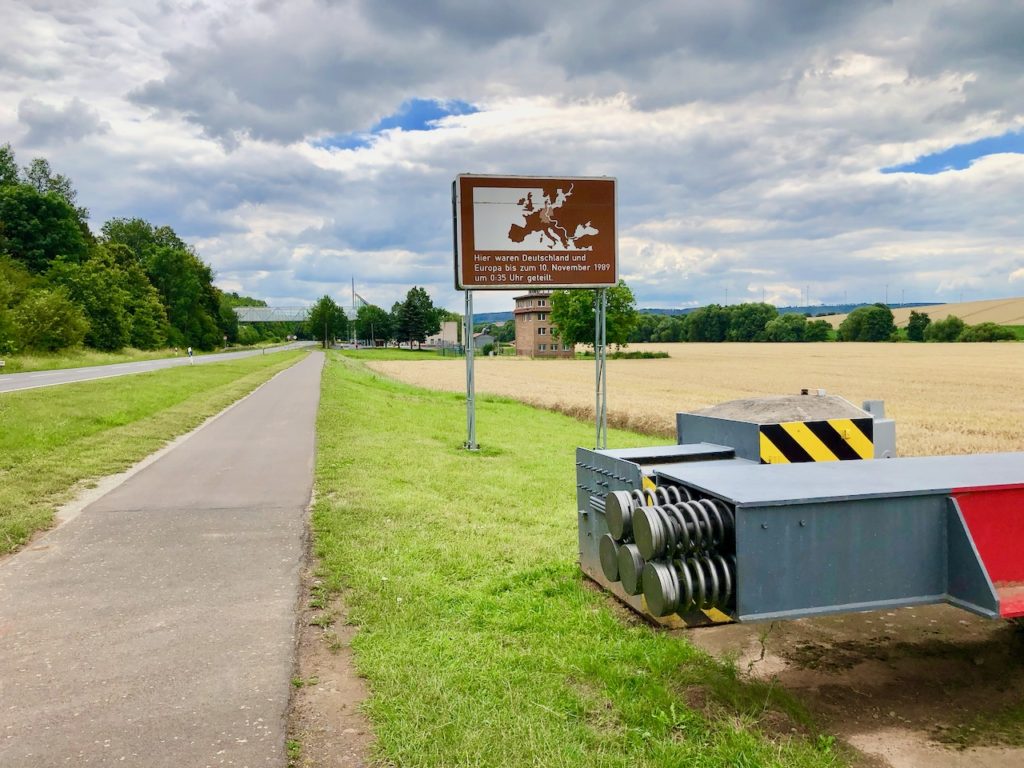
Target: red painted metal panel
(1011, 600)
(995, 518)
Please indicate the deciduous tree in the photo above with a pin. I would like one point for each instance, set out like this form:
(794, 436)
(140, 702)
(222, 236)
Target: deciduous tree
(373, 324)
(710, 323)
(747, 321)
(327, 321)
(917, 324)
(97, 287)
(573, 315)
(39, 227)
(873, 323)
(8, 166)
(789, 327)
(416, 317)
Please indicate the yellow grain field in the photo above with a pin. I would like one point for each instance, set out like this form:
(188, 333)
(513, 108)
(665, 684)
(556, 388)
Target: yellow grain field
(998, 311)
(946, 398)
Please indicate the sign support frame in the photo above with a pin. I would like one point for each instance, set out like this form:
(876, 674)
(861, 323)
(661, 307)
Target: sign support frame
(601, 368)
(537, 268)
(467, 345)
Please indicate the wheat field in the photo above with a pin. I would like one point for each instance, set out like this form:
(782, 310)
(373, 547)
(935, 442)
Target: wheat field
(945, 398)
(998, 311)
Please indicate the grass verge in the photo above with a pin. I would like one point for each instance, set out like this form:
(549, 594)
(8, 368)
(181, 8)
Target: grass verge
(53, 439)
(79, 358)
(390, 353)
(1002, 727)
(84, 358)
(481, 642)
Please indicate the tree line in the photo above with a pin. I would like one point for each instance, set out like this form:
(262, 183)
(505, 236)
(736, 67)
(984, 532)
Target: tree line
(875, 323)
(61, 285)
(411, 320)
(573, 314)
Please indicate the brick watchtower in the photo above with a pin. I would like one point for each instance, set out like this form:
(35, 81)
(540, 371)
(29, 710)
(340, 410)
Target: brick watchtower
(533, 328)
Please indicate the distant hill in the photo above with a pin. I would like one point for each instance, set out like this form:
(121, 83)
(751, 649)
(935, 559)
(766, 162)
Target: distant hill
(998, 311)
(491, 317)
(828, 311)
(816, 311)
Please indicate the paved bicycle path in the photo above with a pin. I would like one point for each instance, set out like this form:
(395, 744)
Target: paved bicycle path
(16, 382)
(157, 627)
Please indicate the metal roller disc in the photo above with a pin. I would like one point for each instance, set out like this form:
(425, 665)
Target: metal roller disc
(705, 519)
(686, 585)
(709, 570)
(683, 543)
(696, 535)
(608, 550)
(649, 532)
(718, 527)
(661, 589)
(726, 577)
(700, 593)
(618, 512)
(631, 568)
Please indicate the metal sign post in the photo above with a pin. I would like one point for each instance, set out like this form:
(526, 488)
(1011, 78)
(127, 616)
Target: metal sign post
(467, 342)
(535, 233)
(601, 368)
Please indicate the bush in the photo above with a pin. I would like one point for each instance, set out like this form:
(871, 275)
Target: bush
(48, 320)
(987, 332)
(637, 355)
(247, 335)
(944, 330)
(786, 328)
(817, 330)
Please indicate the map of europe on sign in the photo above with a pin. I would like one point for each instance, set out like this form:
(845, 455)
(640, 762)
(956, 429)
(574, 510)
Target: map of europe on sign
(530, 218)
(542, 232)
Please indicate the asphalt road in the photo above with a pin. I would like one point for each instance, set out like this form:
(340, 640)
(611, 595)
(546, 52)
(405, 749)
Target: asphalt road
(12, 382)
(156, 628)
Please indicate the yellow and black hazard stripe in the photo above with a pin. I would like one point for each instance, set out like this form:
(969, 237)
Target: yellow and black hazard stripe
(832, 440)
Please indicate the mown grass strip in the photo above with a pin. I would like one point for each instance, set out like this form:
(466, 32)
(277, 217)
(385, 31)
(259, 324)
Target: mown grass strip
(54, 439)
(84, 357)
(390, 353)
(482, 643)
(78, 358)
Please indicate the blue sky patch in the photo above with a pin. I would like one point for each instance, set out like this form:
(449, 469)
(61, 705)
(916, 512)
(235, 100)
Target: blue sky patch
(412, 115)
(960, 156)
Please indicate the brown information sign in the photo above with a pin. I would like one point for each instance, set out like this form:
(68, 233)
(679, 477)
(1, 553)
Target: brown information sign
(514, 232)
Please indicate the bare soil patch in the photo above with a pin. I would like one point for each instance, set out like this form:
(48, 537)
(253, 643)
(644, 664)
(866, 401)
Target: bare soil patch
(326, 728)
(896, 685)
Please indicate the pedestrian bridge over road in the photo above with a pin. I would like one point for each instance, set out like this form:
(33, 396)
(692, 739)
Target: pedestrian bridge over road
(272, 314)
(280, 314)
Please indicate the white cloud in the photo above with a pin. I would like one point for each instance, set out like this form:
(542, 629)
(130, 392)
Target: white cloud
(747, 139)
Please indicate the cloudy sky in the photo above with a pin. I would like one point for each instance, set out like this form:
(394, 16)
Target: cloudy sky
(796, 150)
